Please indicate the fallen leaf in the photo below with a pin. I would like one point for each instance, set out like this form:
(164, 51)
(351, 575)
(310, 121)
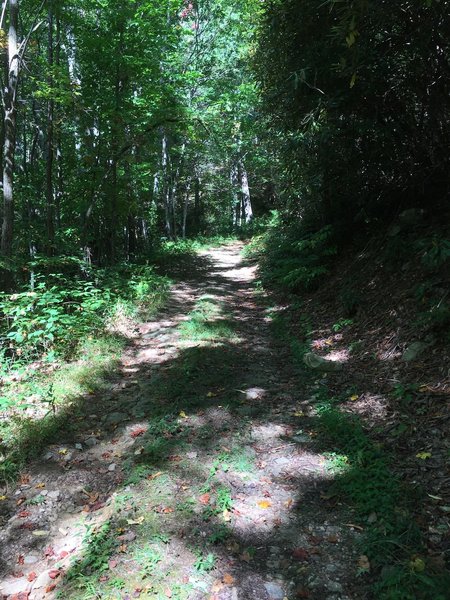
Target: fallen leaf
(2, 498)
(20, 596)
(228, 579)
(217, 586)
(363, 563)
(333, 539)
(137, 431)
(264, 504)
(168, 509)
(289, 503)
(204, 498)
(123, 548)
(300, 554)
(158, 474)
(299, 413)
(49, 551)
(245, 556)
(103, 578)
(54, 573)
(423, 455)
(24, 514)
(112, 564)
(32, 576)
(50, 588)
(20, 500)
(62, 451)
(137, 521)
(41, 533)
(354, 397)
(226, 515)
(62, 555)
(40, 486)
(211, 395)
(183, 415)
(20, 559)
(417, 565)
(24, 479)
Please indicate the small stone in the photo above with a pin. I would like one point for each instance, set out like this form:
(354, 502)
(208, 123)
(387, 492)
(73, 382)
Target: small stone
(115, 418)
(274, 590)
(79, 446)
(413, 351)
(30, 559)
(191, 455)
(91, 441)
(335, 587)
(44, 492)
(112, 467)
(54, 495)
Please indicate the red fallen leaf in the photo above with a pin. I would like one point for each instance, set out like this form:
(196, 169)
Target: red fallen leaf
(106, 455)
(138, 431)
(333, 539)
(20, 596)
(20, 559)
(28, 525)
(175, 458)
(63, 554)
(112, 564)
(17, 574)
(32, 576)
(314, 540)
(204, 498)
(300, 554)
(24, 514)
(20, 500)
(49, 552)
(50, 588)
(103, 578)
(168, 510)
(54, 573)
(95, 506)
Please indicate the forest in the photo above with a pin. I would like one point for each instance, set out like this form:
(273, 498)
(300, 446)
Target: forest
(224, 299)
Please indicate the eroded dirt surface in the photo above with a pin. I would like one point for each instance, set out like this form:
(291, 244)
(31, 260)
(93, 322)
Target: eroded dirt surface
(194, 477)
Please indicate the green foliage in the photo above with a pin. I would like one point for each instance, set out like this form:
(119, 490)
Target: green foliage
(61, 312)
(294, 259)
(205, 562)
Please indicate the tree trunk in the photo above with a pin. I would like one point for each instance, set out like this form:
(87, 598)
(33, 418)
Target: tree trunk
(246, 212)
(49, 142)
(10, 134)
(185, 211)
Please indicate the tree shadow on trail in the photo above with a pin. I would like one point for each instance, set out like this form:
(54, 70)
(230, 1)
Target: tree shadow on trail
(195, 431)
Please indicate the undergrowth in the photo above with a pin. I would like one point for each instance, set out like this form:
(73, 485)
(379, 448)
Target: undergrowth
(392, 540)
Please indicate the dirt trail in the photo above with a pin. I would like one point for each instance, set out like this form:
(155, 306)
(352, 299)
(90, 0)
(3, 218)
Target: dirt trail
(195, 476)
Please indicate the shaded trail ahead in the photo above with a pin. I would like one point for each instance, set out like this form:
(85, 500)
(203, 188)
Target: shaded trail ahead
(194, 476)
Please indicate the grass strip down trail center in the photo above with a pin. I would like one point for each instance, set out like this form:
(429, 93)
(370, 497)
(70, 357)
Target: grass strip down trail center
(196, 475)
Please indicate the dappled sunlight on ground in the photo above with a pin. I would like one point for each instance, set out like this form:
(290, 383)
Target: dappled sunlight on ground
(194, 475)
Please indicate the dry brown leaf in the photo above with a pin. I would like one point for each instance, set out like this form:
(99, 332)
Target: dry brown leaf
(228, 579)
(264, 504)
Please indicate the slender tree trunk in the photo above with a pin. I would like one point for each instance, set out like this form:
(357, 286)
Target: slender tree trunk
(165, 171)
(59, 156)
(247, 212)
(49, 142)
(185, 210)
(10, 133)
